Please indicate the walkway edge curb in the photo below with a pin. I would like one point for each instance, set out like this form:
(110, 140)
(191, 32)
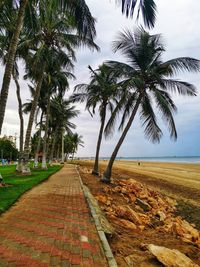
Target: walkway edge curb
(106, 247)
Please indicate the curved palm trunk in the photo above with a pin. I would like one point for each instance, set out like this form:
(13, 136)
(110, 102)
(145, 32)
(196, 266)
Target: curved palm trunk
(107, 174)
(25, 168)
(95, 170)
(44, 152)
(10, 60)
(38, 144)
(20, 112)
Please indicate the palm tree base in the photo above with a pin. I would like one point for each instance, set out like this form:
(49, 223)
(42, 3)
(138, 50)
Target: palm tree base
(105, 180)
(96, 173)
(35, 164)
(44, 165)
(19, 167)
(26, 170)
(50, 163)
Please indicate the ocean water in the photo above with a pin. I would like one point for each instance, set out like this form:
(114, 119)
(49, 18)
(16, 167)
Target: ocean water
(164, 159)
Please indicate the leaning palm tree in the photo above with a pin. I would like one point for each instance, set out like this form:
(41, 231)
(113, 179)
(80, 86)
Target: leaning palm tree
(102, 91)
(148, 80)
(8, 19)
(5, 10)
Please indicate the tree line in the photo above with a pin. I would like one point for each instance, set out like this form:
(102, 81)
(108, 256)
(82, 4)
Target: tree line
(45, 36)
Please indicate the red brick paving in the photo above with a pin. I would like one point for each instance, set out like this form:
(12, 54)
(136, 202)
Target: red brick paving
(51, 225)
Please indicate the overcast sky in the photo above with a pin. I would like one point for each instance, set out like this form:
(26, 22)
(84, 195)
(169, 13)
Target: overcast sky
(178, 22)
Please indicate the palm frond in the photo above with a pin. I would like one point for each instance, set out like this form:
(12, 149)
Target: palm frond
(180, 87)
(147, 7)
(183, 64)
(147, 115)
(166, 107)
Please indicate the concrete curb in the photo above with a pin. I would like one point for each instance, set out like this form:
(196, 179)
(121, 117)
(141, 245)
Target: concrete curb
(106, 247)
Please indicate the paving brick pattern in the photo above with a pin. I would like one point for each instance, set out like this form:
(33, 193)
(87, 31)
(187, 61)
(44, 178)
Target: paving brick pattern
(51, 225)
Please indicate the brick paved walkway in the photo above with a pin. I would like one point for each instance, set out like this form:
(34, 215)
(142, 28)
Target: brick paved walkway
(51, 226)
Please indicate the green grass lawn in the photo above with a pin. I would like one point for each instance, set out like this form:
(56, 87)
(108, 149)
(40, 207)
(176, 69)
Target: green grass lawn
(20, 184)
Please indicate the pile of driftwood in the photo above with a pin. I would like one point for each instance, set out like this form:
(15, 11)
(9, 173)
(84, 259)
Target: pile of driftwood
(145, 208)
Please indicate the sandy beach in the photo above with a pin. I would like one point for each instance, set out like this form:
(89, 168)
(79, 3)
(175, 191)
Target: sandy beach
(177, 179)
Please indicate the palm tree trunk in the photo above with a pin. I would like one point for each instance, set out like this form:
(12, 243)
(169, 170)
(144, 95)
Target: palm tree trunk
(48, 145)
(95, 170)
(62, 148)
(39, 143)
(10, 60)
(26, 169)
(44, 163)
(58, 153)
(108, 172)
(52, 149)
(20, 112)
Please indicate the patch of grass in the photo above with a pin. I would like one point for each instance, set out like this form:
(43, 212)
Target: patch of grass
(18, 184)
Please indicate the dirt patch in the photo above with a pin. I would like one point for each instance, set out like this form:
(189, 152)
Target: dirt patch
(127, 242)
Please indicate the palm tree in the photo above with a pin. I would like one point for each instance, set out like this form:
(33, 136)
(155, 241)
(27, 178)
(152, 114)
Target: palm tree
(146, 7)
(77, 12)
(61, 115)
(148, 80)
(7, 26)
(56, 35)
(56, 80)
(76, 140)
(40, 111)
(102, 91)
(15, 76)
(11, 51)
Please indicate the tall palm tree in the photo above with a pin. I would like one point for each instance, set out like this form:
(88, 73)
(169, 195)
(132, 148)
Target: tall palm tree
(146, 7)
(56, 36)
(15, 75)
(56, 81)
(11, 52)
(40, 111)
(148, 80)
(102, 91)
(78, 15)
(7, 28)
